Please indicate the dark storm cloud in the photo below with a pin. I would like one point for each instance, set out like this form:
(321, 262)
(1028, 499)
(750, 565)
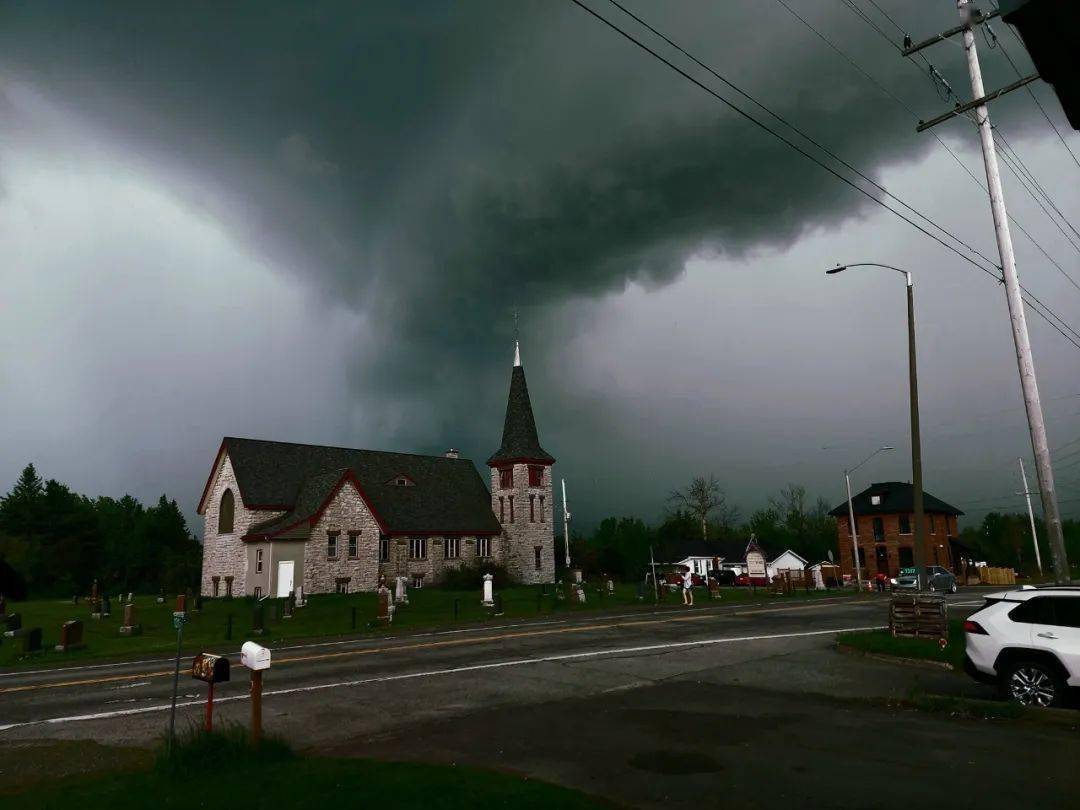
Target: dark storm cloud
(437, 165)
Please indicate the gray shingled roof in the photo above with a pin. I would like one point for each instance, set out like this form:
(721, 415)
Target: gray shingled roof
(448, 497)
(896, 497)
(519, 440)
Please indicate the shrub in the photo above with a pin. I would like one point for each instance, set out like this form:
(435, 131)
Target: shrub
(470, 577)
(195, 750)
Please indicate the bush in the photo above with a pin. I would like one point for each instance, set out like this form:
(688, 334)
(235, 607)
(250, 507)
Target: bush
(471, 577)
(195, 750)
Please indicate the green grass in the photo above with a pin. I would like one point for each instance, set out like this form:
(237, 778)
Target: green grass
(881, 642)
(326, 615)
(964, 707)
(222, 771)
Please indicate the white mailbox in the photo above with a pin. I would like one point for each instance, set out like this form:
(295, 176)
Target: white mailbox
(255, 657)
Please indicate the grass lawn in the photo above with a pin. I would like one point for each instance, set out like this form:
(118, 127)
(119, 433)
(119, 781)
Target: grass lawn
(881, 642)
(326, 615)
(225, 775)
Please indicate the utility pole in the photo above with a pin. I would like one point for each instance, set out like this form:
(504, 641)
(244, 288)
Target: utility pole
(969, 17)
(1031, 516)
(566, 523)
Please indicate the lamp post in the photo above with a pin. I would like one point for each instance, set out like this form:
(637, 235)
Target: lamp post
(916, 444)
(851, 513)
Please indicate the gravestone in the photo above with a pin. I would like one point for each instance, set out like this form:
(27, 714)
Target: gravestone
(559, 595)
(610, 585)
(161, 597)
(298, 597)
(130, 627)
(106, 606)
(130, 597)
(198, 603)
(75, 599)
(290, 604)
(31, 640)
(258, 625)
(95, 601)
(401, 592)
(489, 589)
(71, 636)
(579, 593)
(14, 624)
(577, 575)
(181, 603)
(386, 608)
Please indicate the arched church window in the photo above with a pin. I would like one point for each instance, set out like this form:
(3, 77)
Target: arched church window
(225, 513)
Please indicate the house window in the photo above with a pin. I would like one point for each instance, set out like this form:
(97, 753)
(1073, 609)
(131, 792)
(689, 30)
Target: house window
(418, 581)
(216, 583)
(483, 546)
(536, 476)
(875, 500)
(532, 509)
(258, 561)
(341, 584)
(354, 543)
(417, 548)
(226, 511)
(906, 556)
(879, 529)
(862, 557)
(384, 548)
(933, 528)
(543, 518)
(331, 545)
(511, 508)
(536, 550)
(502, 509)
(506, 477)
(452, 548)
(258, 593)
(905, 524)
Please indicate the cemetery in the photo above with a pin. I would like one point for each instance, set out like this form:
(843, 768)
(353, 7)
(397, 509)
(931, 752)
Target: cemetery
(52, 632)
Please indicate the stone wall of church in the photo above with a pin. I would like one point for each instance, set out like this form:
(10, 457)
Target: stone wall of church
(527, 524)
(224, 555)
(346, 513)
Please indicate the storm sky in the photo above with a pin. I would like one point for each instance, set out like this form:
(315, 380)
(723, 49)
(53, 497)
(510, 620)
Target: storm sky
(314, 222)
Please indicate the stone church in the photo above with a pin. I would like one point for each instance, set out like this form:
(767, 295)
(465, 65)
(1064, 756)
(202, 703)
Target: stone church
(280, 515)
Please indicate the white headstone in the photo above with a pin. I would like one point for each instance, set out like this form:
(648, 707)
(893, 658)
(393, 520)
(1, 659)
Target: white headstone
(489, 588)
(577, 575)
(580, 594)
(300, 596)
(401, 594)
(819, 581)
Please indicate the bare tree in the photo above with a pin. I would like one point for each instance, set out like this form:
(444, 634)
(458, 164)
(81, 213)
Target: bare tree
(702, 497)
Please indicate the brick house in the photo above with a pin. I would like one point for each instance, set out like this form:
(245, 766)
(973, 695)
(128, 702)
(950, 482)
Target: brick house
(279, 515)
(885, 529)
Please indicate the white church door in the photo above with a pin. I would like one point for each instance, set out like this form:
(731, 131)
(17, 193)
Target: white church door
(284, 578)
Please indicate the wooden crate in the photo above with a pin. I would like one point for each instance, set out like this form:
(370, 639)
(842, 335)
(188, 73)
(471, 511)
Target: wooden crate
(921, 615)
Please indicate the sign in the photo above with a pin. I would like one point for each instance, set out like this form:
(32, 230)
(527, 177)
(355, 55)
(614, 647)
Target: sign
(755, 564)
(178, 620)
(210, 668)
(254, 657)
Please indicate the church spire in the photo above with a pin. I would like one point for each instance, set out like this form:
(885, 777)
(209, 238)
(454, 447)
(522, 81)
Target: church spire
(519, 440)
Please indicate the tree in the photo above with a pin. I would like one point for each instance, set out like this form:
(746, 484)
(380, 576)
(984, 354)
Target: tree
(701, 498)
(21, 509)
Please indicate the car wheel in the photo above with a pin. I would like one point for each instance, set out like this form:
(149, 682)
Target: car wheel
(1033, 683)
(931, 587)
(953, 589)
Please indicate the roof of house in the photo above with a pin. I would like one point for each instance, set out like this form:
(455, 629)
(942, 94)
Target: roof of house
(446, 495)
(896, 497)
(727, 550)
(519, 439)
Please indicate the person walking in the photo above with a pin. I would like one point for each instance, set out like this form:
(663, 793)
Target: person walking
(688, 588)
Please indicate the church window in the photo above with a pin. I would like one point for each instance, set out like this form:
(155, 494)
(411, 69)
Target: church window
(483, 546)
(536, 550)
(216, 582)
(532, 509)
(384, 548)
(452, 548)
(502, 509)
(506, 477)
(225, 513)
(354, 543)
(418, 581)
(417, 548)
(511, 508)
(331, 545)
(542, 510)
(536, 476)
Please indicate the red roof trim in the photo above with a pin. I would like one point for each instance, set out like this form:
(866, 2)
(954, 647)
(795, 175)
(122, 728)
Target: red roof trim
(502, 462)
(209, 479)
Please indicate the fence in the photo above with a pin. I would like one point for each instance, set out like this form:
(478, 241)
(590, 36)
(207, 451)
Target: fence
(996, 576)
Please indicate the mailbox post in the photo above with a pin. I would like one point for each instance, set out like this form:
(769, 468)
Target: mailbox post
(178, 623)
(256, 658)
(211, 669)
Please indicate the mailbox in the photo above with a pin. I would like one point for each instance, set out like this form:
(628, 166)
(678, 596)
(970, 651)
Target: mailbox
(254, 657)
(210, 668)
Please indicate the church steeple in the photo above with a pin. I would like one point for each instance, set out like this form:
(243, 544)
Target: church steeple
(519, 439)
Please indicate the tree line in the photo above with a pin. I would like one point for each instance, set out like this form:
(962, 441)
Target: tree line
(55, 542)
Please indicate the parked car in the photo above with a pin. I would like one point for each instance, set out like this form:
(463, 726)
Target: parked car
(725, 576)
(1027, 643)
(936, 579)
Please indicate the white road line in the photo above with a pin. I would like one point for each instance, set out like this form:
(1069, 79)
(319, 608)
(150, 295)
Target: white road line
(517, 662)
(366, 641)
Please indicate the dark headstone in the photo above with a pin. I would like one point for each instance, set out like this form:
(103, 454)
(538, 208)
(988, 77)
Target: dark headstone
(258, 621)
(106, 606)
(385, 616)
(31, 640)
(289, 603)
(198, 603)
(181, 603)
(131, 626)
(14, 623)
(71, 636)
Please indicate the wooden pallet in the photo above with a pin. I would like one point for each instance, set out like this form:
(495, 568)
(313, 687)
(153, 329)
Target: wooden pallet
(919, 616)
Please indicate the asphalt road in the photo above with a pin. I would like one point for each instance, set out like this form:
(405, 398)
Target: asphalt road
(752, 703)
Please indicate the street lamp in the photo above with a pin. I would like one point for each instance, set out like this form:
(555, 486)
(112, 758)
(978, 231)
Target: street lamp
(851, 512)
(916, 444)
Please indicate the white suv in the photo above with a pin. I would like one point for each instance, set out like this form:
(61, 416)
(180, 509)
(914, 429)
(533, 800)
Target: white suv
(1028, 643)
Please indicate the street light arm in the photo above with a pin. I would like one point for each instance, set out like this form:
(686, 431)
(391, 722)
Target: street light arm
(879, 450)
(842, 267)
